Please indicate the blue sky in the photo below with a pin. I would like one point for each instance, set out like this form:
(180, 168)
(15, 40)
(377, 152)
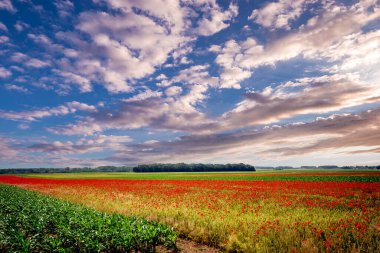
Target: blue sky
(107, 82)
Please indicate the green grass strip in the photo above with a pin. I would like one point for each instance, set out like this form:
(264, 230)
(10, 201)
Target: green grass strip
(209, 176)
(31, 222)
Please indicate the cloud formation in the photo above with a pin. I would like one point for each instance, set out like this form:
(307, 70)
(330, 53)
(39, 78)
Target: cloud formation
(137, 37)
(4, 73)
(214, 19)
(7, 5)
(278, 15)
(320, 37)
(333, 133)
(154, 112)
(33, 115)
(181, 81)
(304, 96)
(6, 149)
(3, 27)
(16, 88)
(96, 144)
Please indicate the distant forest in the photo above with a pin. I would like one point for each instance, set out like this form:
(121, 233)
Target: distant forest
(67, 170)
(157, 167)
(194, 167)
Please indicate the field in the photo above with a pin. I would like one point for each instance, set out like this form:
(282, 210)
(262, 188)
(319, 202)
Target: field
(270, 211)
(265, 175)
(34, 223)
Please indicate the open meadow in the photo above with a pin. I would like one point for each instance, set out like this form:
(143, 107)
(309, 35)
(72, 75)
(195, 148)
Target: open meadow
(268, 211)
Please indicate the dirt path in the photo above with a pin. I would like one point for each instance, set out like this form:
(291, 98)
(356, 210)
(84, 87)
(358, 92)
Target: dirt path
(187, 246)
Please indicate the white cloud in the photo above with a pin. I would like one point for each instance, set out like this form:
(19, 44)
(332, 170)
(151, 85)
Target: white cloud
(16, 88)
(335, 134)
(7, 151)
(197, 74)
(40, 39)
(21, 26)
(357, 53)
(161, 77)
(278, 15)
(145, 110)
(23, 126)
(64, 7)
(93, 144)
(136, 37)
(148, 93)
(28, 61)
(3, 27)
(216, 19)
(7, 5)
(18, 69)
(112, 138)
(163, 83)
(18, 57)
(75, 105)
(36, 63)
(4, 39)
(305, 96)
(313, 40)
(83, 83)
(33, 115)
(337, 26)
(231, 77)
(231, 74)
(4, 73)
(151, 142)
(173, 91)
(134, 44)
(351, 133)
(70, 53)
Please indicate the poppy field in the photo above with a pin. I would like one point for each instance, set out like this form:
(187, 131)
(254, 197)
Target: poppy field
(274, 212)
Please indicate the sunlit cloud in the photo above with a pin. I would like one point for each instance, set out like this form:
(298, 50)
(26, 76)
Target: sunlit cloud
(127, 82)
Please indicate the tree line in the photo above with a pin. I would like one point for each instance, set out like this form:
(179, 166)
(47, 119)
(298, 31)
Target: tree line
(156, 167)
(194, 167)
(67, 170)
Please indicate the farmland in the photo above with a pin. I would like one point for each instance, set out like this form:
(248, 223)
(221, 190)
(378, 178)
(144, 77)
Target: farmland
(298, 211)
(267, 175)
(32, 222)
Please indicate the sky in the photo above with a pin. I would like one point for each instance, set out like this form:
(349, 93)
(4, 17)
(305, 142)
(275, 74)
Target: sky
(268, 83)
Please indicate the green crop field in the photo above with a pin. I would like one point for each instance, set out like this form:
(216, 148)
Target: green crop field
(31, 222)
